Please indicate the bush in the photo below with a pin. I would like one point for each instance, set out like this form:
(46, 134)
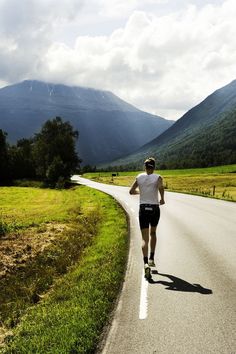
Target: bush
(3, 228)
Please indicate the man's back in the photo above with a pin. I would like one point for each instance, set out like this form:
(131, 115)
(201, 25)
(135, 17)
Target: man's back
(148, 187)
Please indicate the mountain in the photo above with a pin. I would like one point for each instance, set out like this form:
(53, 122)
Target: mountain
(204, 136)
(108, 126)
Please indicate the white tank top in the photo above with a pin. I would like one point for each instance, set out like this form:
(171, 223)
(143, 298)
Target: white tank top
(148, 187)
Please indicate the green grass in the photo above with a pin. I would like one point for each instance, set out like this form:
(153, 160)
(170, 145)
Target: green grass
(75, 297)
(199, 181)
(209, 185)
(189, 171)
(24, 207)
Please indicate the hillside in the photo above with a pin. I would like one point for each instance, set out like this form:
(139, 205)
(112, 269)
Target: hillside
(204, 136)
(108, 126)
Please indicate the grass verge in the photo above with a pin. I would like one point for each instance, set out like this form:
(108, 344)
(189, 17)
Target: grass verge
(70, 314)
(215, 182)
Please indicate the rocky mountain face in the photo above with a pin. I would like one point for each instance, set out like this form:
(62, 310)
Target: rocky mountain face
(108, 126)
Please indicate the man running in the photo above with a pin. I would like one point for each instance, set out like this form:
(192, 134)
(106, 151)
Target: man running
(149, 184)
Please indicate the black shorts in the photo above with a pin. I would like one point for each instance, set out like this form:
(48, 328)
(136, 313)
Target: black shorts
(149, 214)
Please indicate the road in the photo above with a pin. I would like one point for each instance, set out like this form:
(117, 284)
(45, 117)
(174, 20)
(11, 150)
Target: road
(190, 307)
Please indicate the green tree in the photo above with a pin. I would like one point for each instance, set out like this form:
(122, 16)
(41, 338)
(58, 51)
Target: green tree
(4, 172)
(54, 151)
(21, 164)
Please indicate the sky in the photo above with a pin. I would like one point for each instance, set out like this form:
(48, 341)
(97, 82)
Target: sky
(162, 56)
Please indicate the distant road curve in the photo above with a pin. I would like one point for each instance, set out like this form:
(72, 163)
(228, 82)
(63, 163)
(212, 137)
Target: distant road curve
(190, 307)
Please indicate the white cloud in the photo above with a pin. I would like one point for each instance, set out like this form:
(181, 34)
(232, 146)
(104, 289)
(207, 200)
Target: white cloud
(26, 29)
(163, 65)
(122, 8)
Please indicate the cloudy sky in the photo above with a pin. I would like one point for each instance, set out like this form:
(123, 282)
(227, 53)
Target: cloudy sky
(163, 56)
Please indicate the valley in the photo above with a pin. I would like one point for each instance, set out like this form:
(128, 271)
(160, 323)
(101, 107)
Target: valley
(215, 182)
(204, 136)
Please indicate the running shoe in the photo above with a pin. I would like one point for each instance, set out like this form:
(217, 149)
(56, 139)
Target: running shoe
(147, 271)
(151, 263)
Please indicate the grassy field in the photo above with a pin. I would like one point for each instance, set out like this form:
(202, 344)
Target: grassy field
(62, 256)
(218, 182)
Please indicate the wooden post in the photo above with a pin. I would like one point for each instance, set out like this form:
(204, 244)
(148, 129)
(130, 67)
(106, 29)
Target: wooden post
(214, 190)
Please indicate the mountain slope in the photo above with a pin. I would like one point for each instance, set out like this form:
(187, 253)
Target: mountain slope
(108, 126)
(200, 138)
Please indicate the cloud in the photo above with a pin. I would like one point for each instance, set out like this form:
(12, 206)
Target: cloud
(123, 8)
(163, 65)
(26, 29)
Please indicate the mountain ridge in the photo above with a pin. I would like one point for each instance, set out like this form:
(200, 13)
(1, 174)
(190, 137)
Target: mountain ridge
(190, 114)
(108, 126)
(61, 90)
(169, 146)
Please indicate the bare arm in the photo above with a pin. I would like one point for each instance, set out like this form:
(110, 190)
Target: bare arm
(161, 190)
(133, 189)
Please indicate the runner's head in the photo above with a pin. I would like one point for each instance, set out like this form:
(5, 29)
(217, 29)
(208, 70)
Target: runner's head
(149, 164)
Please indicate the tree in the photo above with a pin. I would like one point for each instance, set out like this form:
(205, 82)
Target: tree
(3, 157)
(21, 164)
(54, 151)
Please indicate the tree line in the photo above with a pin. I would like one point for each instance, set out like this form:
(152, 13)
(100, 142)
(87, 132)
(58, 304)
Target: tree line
(50, 156)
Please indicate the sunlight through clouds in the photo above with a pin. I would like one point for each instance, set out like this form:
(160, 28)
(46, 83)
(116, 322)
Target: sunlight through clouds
(162, 64)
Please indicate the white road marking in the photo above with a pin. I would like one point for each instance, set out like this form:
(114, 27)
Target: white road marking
(143, 306)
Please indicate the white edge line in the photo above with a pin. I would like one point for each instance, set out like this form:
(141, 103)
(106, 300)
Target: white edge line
(143, 307)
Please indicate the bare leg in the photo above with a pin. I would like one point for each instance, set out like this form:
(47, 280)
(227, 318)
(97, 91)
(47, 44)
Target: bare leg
(153, 238)
(145, 237)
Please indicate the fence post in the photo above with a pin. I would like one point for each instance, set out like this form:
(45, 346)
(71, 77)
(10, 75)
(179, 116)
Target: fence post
(214, 189)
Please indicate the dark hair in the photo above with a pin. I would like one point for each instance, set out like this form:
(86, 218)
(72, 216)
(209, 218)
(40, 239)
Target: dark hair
(150, 162)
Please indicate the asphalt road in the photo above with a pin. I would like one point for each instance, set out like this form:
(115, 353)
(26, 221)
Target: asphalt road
(190, 306)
